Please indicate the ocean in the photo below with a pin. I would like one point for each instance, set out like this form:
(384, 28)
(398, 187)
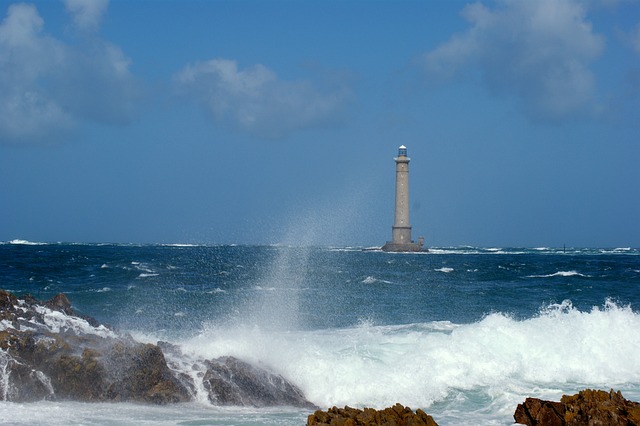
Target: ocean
(464, 333)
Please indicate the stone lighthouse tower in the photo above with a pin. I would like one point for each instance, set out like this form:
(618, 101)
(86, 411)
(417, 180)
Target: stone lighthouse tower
(401, 229)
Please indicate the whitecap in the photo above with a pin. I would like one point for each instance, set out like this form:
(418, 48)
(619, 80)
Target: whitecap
(26, 243)
(147, 275)
(369, 280)
(560, 274)
(444, 269)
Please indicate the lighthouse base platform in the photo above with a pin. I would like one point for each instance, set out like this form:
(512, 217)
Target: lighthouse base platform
(403, 247)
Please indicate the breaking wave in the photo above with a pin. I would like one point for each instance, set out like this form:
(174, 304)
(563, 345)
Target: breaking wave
(423, 364)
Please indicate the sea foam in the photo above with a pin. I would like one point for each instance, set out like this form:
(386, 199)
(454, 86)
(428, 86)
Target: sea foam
(58, 322)
(426, 364)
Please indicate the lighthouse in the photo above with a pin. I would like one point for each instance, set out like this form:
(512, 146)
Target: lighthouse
(401, 229)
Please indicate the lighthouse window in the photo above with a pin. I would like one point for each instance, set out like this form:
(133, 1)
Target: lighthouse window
(402, 152)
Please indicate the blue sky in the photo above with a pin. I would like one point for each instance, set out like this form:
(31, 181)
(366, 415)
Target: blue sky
(277, 121)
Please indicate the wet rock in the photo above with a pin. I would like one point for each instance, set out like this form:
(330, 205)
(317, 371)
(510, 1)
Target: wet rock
(55, 356)
(48, 351)
(60, 303)
(588, 407)
(140, 372)
(397, 415)
(231, 381)
(32, 385)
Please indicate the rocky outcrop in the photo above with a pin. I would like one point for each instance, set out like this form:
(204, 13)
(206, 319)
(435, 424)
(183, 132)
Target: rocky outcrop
(397, 415)
(48, 351)
(231, 381)
(588, 408)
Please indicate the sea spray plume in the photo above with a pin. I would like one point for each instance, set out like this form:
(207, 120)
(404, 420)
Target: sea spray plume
(267, 326)
(276, 304)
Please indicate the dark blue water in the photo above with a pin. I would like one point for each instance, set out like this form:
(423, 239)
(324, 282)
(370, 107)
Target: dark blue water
(465, 333)
(333, 287)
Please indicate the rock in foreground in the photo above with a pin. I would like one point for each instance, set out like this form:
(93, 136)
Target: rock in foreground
(49, 351)
(588, 408)
(392, 416)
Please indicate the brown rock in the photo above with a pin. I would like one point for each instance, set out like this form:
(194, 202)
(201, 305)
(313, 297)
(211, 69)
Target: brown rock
(538, 412)
(398, 415)
(61, 303)
(597, 407)
(588, 408)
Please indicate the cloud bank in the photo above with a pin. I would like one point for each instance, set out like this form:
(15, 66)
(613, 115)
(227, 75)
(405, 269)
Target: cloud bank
(256, 101)
(87, 14)
(47, 86)
(536, 51)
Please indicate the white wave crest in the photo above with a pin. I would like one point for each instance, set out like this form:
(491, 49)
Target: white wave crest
(147, 275)
(560, 274)
(420, 364)
(26, 243)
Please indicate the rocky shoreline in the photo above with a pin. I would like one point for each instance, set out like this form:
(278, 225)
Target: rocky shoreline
(588, 407)
(50, 352)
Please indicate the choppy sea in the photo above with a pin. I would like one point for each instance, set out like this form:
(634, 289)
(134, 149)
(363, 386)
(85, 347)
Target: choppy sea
(464, 333)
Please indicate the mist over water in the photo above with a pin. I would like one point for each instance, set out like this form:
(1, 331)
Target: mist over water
(276, 307)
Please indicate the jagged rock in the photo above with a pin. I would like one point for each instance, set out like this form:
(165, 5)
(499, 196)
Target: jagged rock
(98, 365)
(397, 415)
(61, 303)
(234, 382)
(588, 407)
(48, 351)
(140, 372)
(538, 412)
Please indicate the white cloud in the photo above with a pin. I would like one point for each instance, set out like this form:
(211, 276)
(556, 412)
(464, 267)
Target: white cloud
(538, 51)
(256, 101)
(87, 14)
(48, 87)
